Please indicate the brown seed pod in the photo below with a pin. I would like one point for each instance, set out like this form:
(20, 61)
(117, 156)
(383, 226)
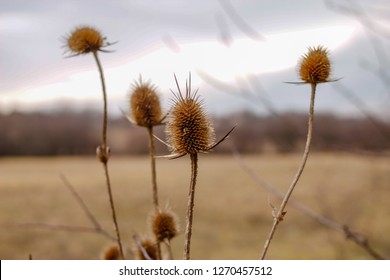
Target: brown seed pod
(84, 40)
(315, 66)
(164, 225)
(189, 130)
(145, 105)
(111, 253)
(150, 248)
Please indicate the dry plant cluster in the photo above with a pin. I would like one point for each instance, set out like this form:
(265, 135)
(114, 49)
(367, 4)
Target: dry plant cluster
(189, 132)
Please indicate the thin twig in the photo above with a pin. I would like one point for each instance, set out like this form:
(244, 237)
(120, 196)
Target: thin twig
(190, 206)
(80, 201)
(140, 247)
(68, 228)
(281, 212)
(167, 242)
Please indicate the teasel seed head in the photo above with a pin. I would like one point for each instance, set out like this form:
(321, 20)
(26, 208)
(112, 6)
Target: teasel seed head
(111, 253)
(315, 66)
(103, 153)
(85, 39)
(145, 105)
(189, 129)
(164, 225)
(150, 248)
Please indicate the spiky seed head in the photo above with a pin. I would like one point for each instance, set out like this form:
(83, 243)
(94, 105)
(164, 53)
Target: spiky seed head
(84, 40)
(315, 66)
(111, 253)
(150, 248)
(189, 129)
(145, 104)
(164, 225)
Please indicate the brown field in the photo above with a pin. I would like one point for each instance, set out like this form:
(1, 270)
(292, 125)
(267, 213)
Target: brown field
(232, 213)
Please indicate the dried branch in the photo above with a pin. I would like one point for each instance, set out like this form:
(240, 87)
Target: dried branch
(59, 227)
(80, 201)
(140, 247)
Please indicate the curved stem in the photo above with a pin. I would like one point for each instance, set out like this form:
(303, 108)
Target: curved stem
(104, 147)
(104, 133)
(190, 206)
(280, 214)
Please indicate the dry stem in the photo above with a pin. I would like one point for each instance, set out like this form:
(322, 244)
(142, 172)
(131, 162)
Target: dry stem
(280, 214)
(104, 145)
(153, 165)
(190, 206)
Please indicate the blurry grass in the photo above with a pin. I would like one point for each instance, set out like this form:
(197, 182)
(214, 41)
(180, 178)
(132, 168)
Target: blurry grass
(232, 218)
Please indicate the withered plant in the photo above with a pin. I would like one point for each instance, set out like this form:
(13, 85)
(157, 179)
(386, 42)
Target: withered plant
(315, 68)
(189, 131)
(145, 111)
(81, 41)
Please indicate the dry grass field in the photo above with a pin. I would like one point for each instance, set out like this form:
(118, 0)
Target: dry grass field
(232, 212)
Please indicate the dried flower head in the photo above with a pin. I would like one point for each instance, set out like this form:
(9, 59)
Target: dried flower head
(145, 105)
(150, 248)
(164, 225)
(111, 253)
(84, 40)
(315, 66)
(189, 130)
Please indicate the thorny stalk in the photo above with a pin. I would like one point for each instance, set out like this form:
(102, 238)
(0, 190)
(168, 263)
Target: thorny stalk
(281, 211)
(190, 206)
(153, 165)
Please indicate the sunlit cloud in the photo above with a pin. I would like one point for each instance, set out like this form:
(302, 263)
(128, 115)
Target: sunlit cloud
(244, 56)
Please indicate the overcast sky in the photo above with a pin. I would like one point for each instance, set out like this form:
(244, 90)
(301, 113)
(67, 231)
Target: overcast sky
(238, 52)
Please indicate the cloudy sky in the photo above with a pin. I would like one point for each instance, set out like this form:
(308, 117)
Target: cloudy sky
(239, 53)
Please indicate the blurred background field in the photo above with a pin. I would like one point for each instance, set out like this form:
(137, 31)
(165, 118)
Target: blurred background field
(232, 212)
(239, 54)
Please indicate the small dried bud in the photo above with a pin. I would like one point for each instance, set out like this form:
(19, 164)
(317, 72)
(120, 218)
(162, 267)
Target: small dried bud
(315, 66)
(111, 253)
(84, 40)
(164, 225)
(145, 105)
(150, 248)
(189, 130)
(103, 153)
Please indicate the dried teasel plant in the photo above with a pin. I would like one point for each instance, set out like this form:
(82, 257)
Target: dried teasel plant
(145, 111)
(315, 68)
(81, 41)
(189, 131)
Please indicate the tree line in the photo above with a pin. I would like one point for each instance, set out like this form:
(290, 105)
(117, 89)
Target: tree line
(70, 133)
